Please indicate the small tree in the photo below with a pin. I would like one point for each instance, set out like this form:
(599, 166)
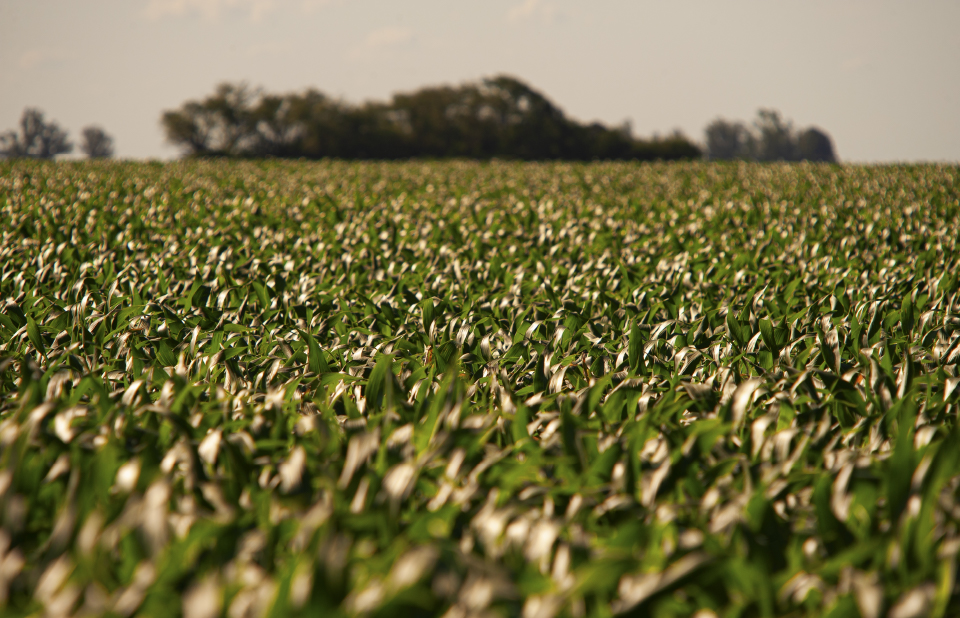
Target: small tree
(38, 138)
(96, 144)
(728, 140)
(770, 139)
(777, 141)
(222, 124)
(815, 145)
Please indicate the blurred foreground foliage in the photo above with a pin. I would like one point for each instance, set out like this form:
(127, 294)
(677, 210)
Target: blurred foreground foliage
(461, 389)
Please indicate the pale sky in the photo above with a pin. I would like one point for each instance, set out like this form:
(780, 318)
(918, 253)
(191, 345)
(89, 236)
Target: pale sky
(882, 78)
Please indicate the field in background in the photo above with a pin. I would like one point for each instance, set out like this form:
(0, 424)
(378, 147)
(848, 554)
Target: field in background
(235, 388)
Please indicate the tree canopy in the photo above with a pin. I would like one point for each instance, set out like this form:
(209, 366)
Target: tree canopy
(38, 138)
(770, 139)
(497, 117)
(96, 144)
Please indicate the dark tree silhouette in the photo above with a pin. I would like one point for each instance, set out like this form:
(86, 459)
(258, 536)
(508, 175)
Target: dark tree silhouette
(276, 126)
(728, 140)
(96, 143)
(221, 124)
(776, 140)
(38, 138)
(772, 139)
(498, 117)
(815, 145)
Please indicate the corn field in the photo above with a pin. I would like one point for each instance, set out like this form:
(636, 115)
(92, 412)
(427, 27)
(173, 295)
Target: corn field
(463, 389)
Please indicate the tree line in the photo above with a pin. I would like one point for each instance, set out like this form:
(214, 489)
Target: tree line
(497, 117)
(771, 138)
(39, 138)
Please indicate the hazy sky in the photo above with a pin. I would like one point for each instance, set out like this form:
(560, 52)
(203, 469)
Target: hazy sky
(882, 78)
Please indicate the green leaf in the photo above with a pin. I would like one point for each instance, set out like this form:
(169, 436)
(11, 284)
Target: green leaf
(427, 313)
(540, 379)
(379, 392)
(518, 425)
(445, 355)
(165, 355)
(316, 359)
(596, 393)
(187, 300)
(436, 402)
(332, 378)
(906, 314)
(16, 314)
(174, 323)
(613, 408)
(735, 329)
(33, 331)
(775, 336)
(568, 431)
(900, 465)
(635, 351)
(7, 321)
(262, 296)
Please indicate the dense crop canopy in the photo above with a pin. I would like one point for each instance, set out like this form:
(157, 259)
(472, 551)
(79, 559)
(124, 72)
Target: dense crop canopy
(479, 389)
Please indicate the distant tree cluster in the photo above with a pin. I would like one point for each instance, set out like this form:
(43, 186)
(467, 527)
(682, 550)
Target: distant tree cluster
(498, 117)
(44, 139)
(96, 143)
(770, 139)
